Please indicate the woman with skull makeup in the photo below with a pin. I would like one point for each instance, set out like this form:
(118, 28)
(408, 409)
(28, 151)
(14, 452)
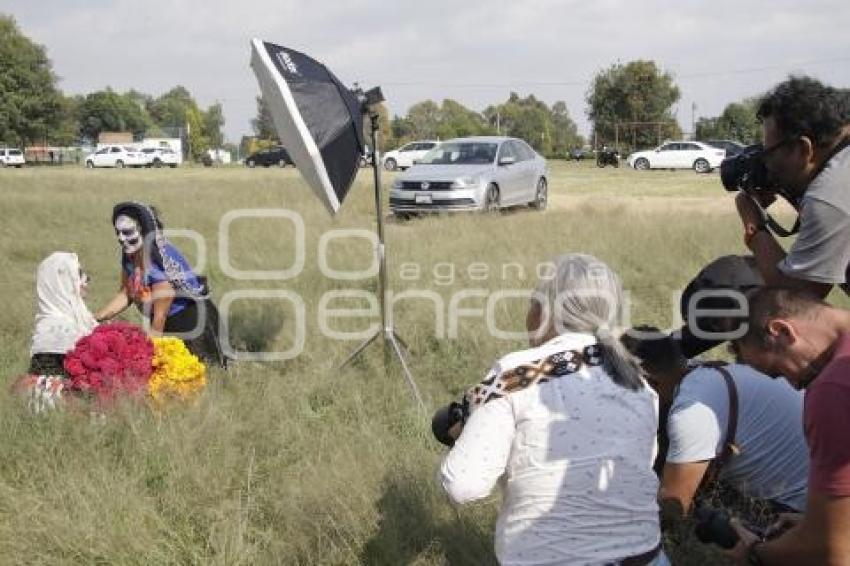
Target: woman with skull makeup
(159, 281)
(62, 317)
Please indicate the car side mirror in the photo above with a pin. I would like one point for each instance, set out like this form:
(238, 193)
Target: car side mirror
(507, 160)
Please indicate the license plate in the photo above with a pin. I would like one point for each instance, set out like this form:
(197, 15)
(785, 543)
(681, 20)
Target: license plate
(423, 199)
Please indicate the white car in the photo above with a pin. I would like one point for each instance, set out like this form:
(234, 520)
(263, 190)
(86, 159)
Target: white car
(403, 157)
(698, 156)
(160, 157)
(119, 156)
(12, 157)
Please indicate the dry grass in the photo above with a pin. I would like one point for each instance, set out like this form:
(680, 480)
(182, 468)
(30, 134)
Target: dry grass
(296, 462)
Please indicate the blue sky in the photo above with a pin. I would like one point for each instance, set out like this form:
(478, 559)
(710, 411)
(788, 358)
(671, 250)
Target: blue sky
(473, 51)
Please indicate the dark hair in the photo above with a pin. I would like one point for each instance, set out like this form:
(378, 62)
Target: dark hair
(657, 353)
(803, 106)
(146, 215)
(767, 303)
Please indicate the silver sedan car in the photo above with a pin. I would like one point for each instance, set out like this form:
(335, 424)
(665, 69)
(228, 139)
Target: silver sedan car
(478, 173)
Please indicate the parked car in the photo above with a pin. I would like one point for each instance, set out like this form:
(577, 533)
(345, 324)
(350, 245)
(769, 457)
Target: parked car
(160, 157)
(477, 173)
(698, 156)
(268, 157)
(732, 148)
(403, 157)
(119, 156)
(12, 157)
(579, 154)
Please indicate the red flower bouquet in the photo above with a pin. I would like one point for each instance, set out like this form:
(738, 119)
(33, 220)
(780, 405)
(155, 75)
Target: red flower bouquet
(115, 358)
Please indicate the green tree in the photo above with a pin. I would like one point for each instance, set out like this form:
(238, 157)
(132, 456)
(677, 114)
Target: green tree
(198, 142)
(565, 134)
(457, 121)
(635, 92)
(424, 119)
(263, 124)
(30, 104)
(170, 109)
(528, 119)
(737, 122)
(213, 123)
(108, 111)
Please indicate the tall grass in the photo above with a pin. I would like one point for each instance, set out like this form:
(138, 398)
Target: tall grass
(297, 462)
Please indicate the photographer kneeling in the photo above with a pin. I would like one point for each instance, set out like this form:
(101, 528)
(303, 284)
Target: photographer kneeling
(806, 128)
(569, 427)
(795, 334)
(724, 422)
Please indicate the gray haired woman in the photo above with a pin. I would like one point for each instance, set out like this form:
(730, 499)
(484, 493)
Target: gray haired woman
(568, 426)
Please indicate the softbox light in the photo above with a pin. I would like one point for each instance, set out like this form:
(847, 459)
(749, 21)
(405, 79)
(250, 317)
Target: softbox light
(318, 120)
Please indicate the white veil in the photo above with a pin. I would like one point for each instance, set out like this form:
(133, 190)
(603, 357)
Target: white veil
(61, 317)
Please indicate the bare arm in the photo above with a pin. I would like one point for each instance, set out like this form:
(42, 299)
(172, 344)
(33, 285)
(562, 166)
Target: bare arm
(820, 538)
(769, 254)
(117, 304)
(163, 296)
(679, 484)
(767, 251)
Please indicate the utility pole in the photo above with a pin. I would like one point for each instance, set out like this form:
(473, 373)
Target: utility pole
(694, 120)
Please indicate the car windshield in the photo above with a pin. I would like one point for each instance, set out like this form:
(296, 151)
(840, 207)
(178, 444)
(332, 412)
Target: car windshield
(14, 152)
(461, 153)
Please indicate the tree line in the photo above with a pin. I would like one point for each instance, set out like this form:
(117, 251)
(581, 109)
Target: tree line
(33, 110)
(630, 105)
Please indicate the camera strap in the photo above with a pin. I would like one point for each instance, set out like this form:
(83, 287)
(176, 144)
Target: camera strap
(730, 448)
(525, 375)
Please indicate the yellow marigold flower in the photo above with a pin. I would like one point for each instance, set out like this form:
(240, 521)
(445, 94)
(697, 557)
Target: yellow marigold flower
(176, 371)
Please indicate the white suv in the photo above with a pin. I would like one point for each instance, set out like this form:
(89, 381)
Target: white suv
(160, 156)
(11, 157)
(698, 156)
(403, 157)
(119, 156)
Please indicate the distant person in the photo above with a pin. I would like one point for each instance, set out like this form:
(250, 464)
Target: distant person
(62, 316)
(159, 281)
(567, 428)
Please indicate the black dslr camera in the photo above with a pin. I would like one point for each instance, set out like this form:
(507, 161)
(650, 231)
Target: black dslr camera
(746, 172)
(447, 417)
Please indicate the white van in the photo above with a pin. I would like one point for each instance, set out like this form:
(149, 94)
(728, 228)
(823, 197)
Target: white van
(11, 157)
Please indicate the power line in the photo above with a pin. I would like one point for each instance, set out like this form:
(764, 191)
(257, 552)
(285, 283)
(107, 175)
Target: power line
(575, 82)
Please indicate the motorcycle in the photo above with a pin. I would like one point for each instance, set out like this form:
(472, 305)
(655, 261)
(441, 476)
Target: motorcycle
(607, 156)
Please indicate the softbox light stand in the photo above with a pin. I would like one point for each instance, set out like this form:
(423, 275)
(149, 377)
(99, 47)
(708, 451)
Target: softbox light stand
(393, 344)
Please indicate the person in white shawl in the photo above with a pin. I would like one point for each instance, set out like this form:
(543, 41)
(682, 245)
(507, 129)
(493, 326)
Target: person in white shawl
(62, 316)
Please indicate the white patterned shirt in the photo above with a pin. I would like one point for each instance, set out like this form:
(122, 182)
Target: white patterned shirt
(574, 457)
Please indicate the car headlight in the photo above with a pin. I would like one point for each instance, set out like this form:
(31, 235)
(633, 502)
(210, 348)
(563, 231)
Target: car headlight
(397, 185)
(467, 182)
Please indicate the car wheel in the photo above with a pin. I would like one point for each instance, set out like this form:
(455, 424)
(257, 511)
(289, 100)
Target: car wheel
(173, 166)
(89, 164)
(642, 164)
(157, 162)
(702, 166)
(119, 164)
(390, 164)
(491, 199)
(282, 163)
(541, 197)
(250, 163)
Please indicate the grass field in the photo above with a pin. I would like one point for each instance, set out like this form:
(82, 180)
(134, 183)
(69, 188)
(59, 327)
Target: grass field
(296, 462)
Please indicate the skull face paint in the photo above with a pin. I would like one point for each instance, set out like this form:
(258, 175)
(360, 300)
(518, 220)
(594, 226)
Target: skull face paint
(129, 235)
